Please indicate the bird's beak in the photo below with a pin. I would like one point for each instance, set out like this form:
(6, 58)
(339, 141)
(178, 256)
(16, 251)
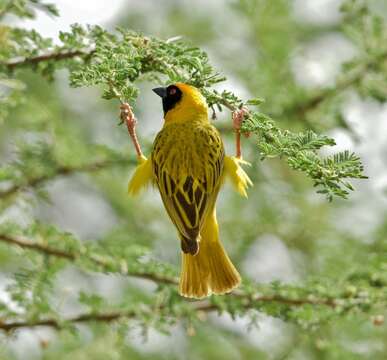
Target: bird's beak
(160, 91)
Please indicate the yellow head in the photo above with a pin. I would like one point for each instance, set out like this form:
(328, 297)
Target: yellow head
(182, 103)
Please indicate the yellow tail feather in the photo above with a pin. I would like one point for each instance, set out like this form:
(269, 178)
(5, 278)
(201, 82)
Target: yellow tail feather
(210, 271)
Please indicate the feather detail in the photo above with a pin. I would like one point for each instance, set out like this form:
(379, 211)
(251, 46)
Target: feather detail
(210, 271)
(141, 177)
(187, 161)
(189, 165)
(234, 171)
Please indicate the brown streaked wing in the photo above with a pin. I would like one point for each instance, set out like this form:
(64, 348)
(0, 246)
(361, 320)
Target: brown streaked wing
(187, 205)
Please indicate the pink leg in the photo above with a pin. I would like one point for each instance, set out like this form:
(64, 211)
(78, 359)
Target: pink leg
(128, 117)
(237, 119)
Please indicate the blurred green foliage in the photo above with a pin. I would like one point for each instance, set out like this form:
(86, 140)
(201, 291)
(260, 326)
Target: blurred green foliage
(334, 309)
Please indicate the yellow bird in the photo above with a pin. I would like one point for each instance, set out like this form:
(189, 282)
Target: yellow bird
(188, 165)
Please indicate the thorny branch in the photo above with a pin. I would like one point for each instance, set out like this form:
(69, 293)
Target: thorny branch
(299, 109)
(61, 171)
(54, 56)
(72, 256)
(248, 300)
(199, 307)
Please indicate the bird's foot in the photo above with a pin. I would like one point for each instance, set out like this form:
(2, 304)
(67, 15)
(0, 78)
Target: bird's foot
(127, 117)
(237, 119)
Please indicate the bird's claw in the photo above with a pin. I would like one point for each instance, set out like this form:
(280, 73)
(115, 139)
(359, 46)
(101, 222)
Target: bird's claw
(127, 116)
(237, 119)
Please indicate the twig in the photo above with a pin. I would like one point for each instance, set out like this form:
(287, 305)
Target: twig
(283, 300)
(62, 171)
(55, 56)
(130, 120)
(71, 256)
(27, 244)
(201, 306)
(301, 109)
(108, 317)
(247, 300)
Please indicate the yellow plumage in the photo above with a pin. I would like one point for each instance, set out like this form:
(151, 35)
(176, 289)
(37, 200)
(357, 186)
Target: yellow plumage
(141, 177)
(236, 174)
(189, 166)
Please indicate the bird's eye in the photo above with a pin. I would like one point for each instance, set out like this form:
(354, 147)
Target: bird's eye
(172, 91)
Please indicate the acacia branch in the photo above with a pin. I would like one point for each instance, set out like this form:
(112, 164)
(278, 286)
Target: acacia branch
(62, 171)
(72, 256)
(246, 300)
(54, 56)
(90, 317)
(302, 108)
(252, 299)
(157, 278)
(54, 323)
(198, 307)
(67, 255)
(44, 249)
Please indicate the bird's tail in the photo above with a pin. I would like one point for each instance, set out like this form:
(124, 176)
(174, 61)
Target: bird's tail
(210, 271)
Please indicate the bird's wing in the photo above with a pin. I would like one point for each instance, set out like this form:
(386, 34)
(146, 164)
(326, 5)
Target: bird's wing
(189, 195)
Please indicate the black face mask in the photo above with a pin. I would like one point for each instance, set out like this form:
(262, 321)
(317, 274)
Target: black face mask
(170, 96)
